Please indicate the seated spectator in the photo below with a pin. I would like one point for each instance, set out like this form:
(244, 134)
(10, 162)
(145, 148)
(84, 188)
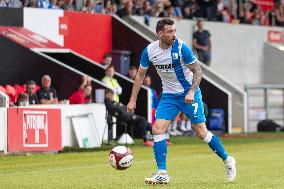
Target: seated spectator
(12, 93)
(2, 89)
(47, 94)
(23, 100)
(89, 6)
(82, 96)
(132, 72)
(110, 8)
(31, 91)
(119, 111)
(11, 3)
(126, 10)
(111, 82)
(279, 13)
(48, 4)
(86, 80)
(107, 59)
(155, 100)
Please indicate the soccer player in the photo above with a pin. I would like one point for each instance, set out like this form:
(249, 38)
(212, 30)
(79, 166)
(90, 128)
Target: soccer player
(181, 74)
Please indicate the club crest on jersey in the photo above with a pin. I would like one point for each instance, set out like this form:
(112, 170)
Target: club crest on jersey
(175, 56)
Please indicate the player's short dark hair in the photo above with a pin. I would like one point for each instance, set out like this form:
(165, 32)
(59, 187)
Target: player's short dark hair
(161, 24)
(31, 82)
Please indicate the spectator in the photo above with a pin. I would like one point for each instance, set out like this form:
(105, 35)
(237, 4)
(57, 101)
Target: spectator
(107, 59)
(158, 9)
(111, 82)
(168, 12)
(23, 100)
(110, 8)
(89, 6)
(279, 13)
(126, 10)
(30, 3)
(132, 72)
(202, 43)
(86, 80)
(155, 100)
(48, 4)
(47, 94)
(185, 124)
(10, 3)
(119, 111)
(177, 4)
(82, 96)
(31, 91)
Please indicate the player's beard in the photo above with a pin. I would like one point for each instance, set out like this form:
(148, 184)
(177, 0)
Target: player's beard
(171, 41)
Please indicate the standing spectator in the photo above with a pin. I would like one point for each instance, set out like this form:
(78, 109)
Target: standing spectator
(107, 59)
(82, 96)
(111, 82)
(47, 94)
(202, 43)
(31, 91)
(132, 72)
(155, 100)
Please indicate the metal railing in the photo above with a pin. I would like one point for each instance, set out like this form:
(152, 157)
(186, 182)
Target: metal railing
(265, 105)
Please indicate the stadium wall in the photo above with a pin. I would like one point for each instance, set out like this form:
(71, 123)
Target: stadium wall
(274, 63)
(239, 48)
(87, 34)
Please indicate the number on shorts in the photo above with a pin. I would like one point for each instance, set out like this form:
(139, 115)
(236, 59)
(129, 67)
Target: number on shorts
(195, 107)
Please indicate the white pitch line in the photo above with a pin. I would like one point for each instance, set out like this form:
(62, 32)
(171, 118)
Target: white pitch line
(105, 165)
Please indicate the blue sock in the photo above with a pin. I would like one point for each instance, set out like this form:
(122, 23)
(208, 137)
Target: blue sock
(215, 144)
(160, 151)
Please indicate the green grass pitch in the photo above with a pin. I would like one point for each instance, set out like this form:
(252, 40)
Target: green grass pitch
(191, 164)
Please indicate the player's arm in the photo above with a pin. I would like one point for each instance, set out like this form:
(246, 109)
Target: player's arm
(193, 64)
(144, 64)
(136, 88)
(197, 75)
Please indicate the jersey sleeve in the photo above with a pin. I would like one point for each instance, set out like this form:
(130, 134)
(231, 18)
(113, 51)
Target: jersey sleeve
(144, 60)
(187, 54)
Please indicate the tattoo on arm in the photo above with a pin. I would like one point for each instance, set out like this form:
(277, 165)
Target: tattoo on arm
(197, 75)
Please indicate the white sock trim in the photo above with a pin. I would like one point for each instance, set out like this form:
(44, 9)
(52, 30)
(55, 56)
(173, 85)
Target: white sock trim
(208, 137)
(158, 138)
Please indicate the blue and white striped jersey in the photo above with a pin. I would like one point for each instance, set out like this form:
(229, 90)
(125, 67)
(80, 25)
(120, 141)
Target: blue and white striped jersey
(171, 65)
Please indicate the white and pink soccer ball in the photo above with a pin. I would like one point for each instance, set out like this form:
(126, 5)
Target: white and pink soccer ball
(120, 157)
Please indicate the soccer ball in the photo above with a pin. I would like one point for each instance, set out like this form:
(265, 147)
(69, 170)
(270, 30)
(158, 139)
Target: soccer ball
(120, 157)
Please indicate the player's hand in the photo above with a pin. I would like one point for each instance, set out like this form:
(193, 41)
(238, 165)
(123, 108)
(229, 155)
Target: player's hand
(189, 98)
(131, 106)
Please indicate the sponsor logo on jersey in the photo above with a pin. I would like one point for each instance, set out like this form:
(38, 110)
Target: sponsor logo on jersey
(165, 66)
